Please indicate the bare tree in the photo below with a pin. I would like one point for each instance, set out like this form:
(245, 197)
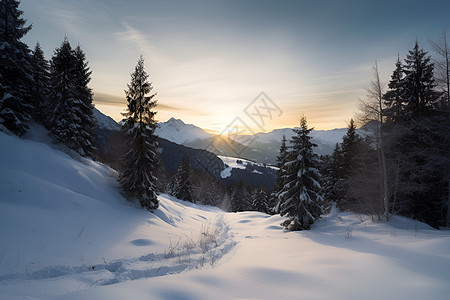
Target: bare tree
(442, 66)
(372, 111)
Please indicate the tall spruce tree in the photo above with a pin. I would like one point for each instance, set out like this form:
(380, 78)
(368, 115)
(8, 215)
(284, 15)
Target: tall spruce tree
(83, 93)
(420, 94)
(394, 97)
(181, 185)
(346, 162)
(41, 86)
(71, 120)
(16, 79)
(140, 161)
(301, 195)
(279, 180)
(418, 145)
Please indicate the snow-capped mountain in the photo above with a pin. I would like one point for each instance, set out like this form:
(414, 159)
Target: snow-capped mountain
(103, 121)
(175, 130)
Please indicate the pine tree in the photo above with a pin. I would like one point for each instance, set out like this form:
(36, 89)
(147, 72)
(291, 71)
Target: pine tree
(181, 186)
(71, 121)
(15, 69)
(332, 174)
(41, 87)
(83, 93)
(420, 94)
(279, 183)
(240, 198)
(394, 97)
(346, 163)
(300, 197)
(260, 200)
(140, 161)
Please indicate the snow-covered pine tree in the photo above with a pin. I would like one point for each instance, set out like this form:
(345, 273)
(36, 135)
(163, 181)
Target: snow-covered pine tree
(71, 118)
(301, 195)
(181, 183)
(41, 87)
(140, 161)
(260, 200)
(275, 195)
(83, 93)
(16, 78)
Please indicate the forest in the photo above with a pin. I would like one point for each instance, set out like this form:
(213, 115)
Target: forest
(401, 167)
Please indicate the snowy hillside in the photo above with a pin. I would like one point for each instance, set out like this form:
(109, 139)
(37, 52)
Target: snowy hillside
(67, 233)
(239, 163)
(178, 132)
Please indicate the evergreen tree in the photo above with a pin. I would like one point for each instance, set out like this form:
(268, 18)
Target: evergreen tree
(260, 200)
(41, 87)
(279, 183)
(331, 174)
(83, 93)
(419, 94)
(181, 184)
(240, 198)
(300, 197)
(346, 163)
(140, 161)
(394, 97)
(16, 79)
(71, 120)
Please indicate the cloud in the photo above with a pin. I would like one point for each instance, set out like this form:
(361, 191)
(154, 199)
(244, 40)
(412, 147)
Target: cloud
(106, 99)
(136, 37)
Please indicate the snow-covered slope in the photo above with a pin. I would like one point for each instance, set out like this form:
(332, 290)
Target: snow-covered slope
(67, 233)
(103, 121)
(178, 132)
(64, 226)
(239, 163)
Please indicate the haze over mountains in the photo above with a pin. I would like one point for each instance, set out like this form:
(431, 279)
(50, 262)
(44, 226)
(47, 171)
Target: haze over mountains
(262, 147)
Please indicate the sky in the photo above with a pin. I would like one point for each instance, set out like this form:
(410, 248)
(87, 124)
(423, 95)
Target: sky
(209, 61)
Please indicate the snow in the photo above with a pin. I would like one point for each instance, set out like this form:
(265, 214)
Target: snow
(177, 131)
(103, 121)
(233, 162)
(67, 233)
(238, 163)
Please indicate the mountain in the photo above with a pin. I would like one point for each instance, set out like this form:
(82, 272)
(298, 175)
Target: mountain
(103, 121)
(179, 132)
(264, 146)
(111, 145)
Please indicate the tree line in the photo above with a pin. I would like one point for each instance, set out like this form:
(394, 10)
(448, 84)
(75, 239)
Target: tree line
(54, 93)
(399, 162)
(400, 165)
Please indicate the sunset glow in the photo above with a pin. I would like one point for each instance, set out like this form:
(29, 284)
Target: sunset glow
(209, 59)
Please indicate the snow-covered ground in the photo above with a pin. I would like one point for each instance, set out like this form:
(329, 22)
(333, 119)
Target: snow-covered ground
(67, 233)
(238, 163)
